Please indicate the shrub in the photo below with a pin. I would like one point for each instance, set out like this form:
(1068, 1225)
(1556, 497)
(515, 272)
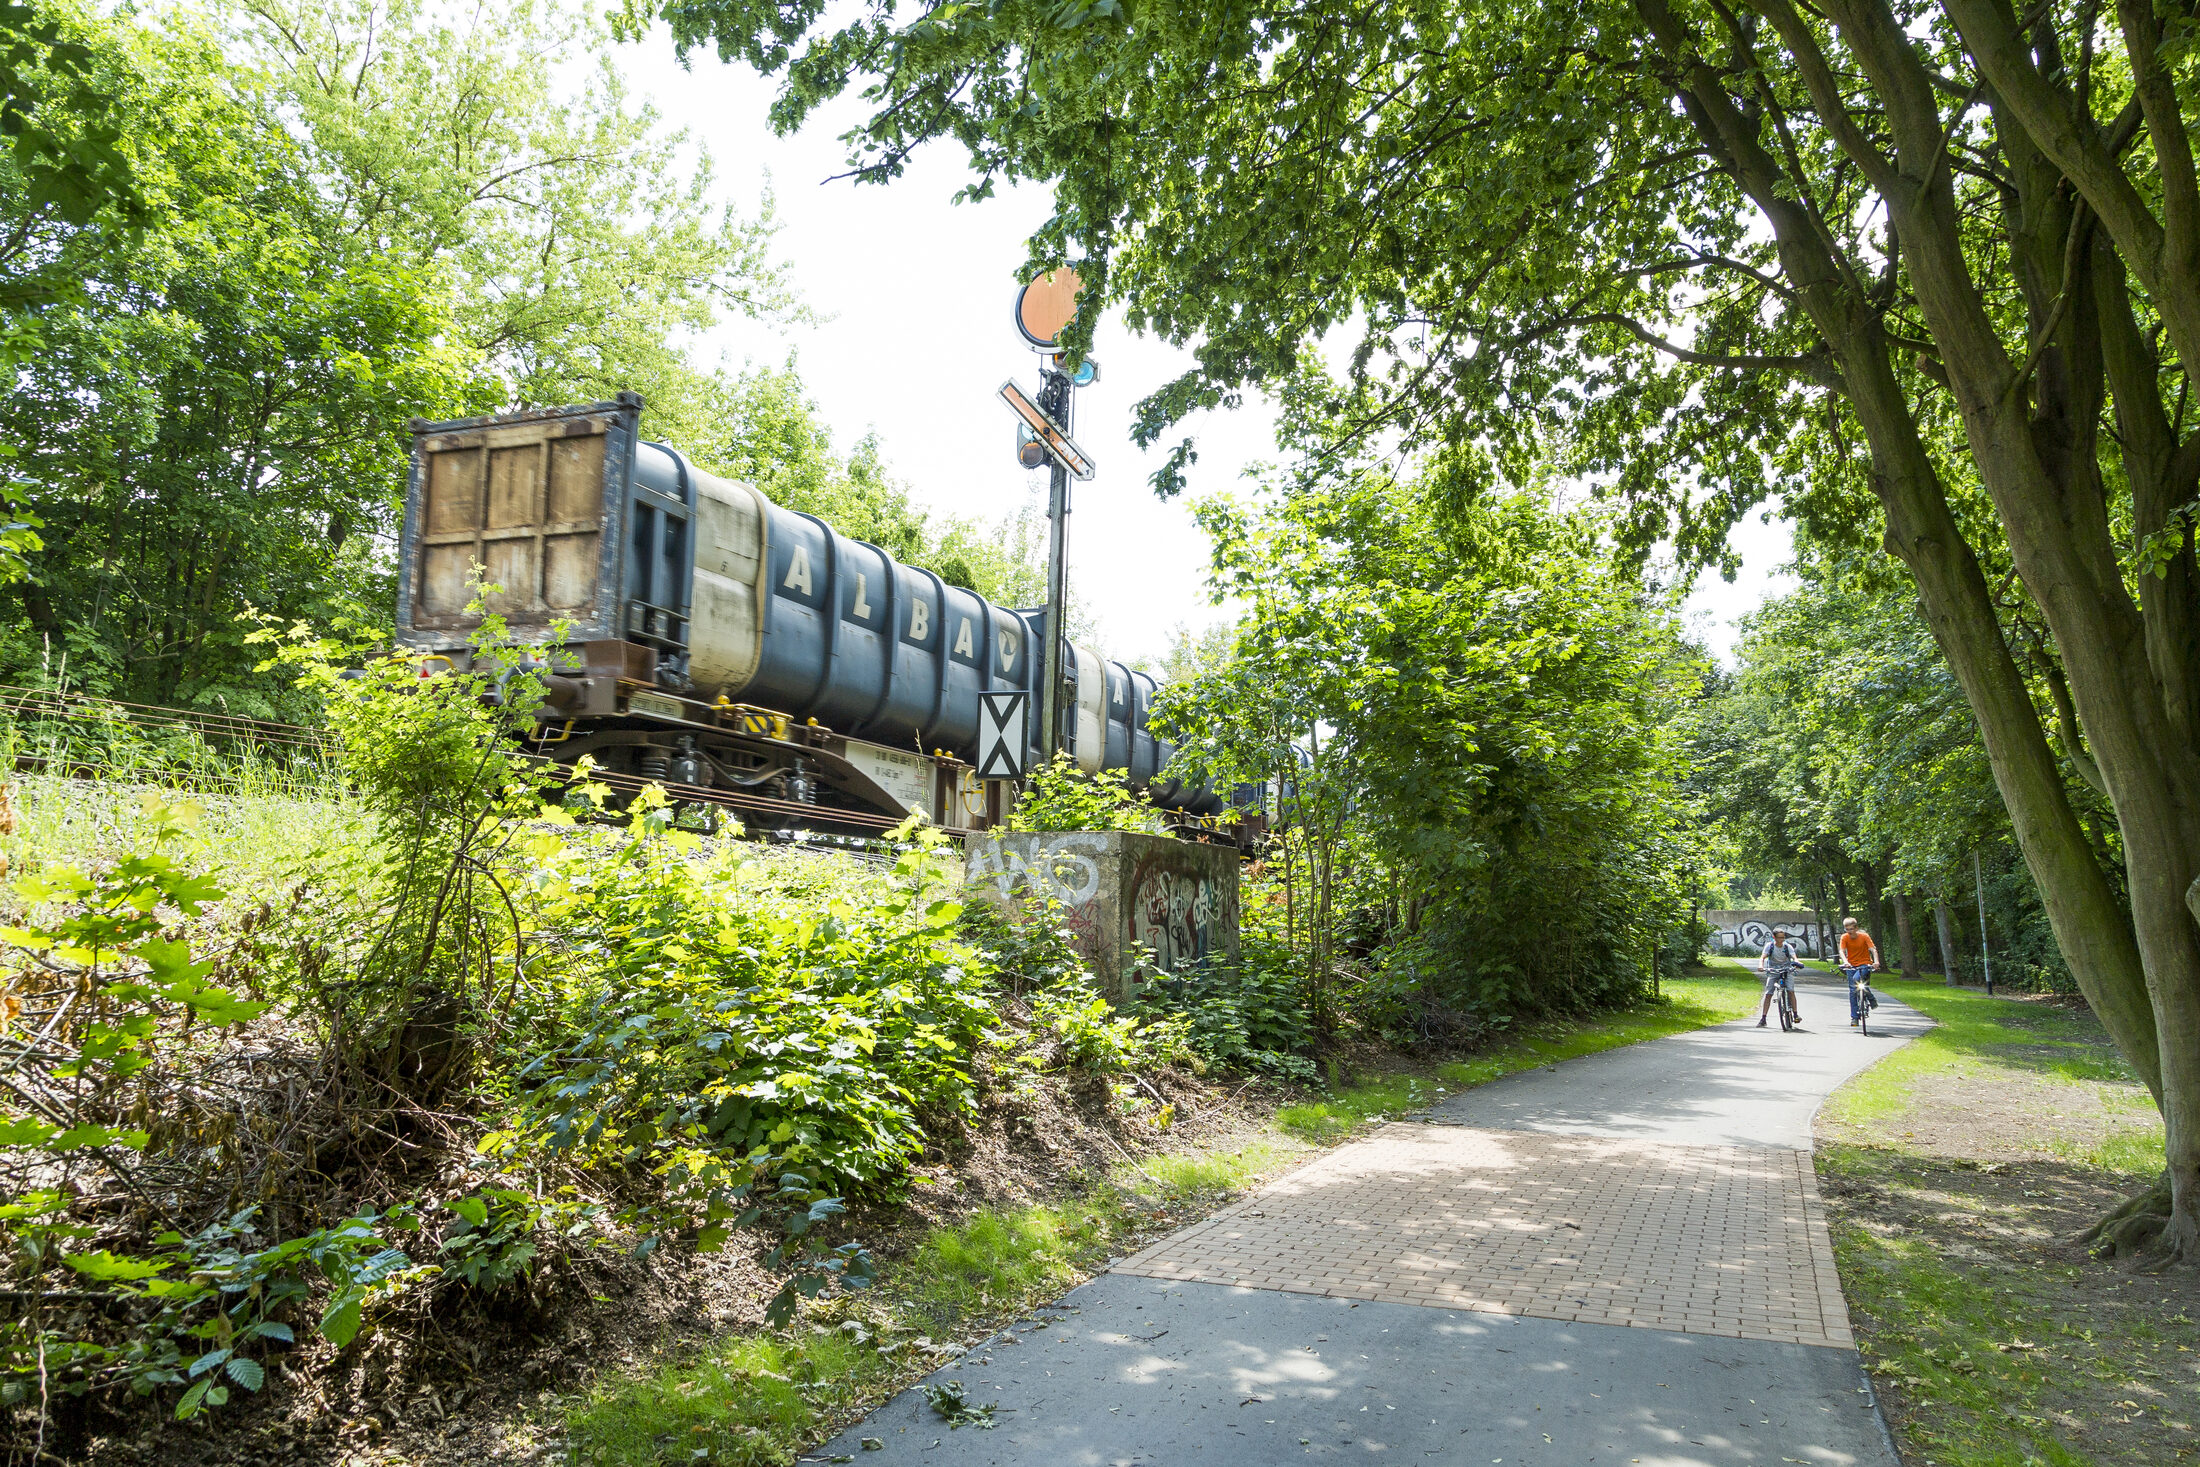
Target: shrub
(1061, 796)
(436, 766)
(748, 1056)
(1092, 1035)
(1250, 1017)
(114, 993)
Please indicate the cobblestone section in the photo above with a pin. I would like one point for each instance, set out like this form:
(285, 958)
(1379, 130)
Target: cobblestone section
(1714, 1240)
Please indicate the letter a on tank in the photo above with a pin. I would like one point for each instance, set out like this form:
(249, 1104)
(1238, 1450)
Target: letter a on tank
(798, 570)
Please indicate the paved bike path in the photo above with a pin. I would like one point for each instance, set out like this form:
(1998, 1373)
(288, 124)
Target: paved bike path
(1616, 1259)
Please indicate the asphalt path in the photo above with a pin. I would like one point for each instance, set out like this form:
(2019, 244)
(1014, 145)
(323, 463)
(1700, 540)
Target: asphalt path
(1140, 1370)
(1730, 1085)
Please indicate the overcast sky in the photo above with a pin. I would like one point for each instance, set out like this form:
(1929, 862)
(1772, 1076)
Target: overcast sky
(918, 340)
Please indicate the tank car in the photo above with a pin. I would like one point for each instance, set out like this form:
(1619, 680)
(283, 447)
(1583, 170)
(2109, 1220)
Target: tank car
(712, 640)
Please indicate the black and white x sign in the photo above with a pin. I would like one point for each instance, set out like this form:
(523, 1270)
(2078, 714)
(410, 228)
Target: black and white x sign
(1001, 720)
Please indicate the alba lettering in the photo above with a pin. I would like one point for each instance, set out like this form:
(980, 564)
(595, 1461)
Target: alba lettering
(798, 571)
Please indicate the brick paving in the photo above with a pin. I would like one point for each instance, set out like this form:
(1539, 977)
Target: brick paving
(1714, 1240)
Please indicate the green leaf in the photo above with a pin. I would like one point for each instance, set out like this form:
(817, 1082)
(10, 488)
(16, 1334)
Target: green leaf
(340, 1324)
(105, 1265)
(26, 1132)
(78, 1138)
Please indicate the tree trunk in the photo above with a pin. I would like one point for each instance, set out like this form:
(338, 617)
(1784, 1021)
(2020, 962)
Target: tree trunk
(1819, 910)
(2090, 924)
(2036, 454)
(2142, 972)
(1905, 936)
(1946, 926)
(1875, 912)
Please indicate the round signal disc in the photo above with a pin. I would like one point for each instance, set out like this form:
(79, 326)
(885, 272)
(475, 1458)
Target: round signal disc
(1046, 305)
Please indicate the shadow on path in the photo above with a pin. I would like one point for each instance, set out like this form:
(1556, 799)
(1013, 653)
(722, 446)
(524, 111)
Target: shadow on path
(1731, 1085)
(1129, 1369)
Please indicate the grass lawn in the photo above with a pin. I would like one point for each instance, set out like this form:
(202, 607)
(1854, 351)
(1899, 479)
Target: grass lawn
(1956, 1173)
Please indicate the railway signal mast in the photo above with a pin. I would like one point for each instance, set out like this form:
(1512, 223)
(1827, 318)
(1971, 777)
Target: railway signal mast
(1043, 309)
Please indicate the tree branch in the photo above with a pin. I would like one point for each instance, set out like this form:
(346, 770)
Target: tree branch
(1814, 366)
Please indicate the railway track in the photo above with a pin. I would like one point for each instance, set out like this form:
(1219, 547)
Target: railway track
(66, 732)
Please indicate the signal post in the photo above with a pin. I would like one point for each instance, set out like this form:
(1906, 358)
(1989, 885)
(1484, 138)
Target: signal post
(1043, 309)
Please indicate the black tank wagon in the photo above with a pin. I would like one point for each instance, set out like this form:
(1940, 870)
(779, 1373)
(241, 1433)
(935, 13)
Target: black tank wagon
(712, 639)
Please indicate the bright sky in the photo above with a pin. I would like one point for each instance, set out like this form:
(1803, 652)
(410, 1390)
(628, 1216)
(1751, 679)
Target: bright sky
(918, 340)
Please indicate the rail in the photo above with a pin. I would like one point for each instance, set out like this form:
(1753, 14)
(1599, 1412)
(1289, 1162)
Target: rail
(109, 714)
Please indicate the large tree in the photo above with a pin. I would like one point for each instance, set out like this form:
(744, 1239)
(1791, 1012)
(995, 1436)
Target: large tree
(1934, 268)
(206, 421)
(332, 218)
(582, 238)
(1479, 694)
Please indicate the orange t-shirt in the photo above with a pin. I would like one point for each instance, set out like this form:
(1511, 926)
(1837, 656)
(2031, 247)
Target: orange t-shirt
(1856, 948)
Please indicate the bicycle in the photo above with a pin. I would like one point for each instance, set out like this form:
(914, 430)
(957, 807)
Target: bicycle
(1866, 1001)
(1791, 1017)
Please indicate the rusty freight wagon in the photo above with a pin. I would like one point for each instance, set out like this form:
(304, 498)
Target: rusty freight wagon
(727, 646)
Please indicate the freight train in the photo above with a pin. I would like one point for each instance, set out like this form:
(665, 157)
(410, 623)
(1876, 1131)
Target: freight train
(731, 648)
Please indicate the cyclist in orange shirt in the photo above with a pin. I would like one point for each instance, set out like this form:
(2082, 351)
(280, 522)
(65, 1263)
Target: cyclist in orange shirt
(1859, 959)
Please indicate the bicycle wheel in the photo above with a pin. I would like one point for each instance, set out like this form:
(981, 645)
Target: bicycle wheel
(1787, 1021)
(1864, 1014)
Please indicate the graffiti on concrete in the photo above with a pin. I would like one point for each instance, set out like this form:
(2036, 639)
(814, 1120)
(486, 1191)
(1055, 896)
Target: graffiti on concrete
(1065, 869)
(1061, 871)
(1121, 896)
(1745, 934)
(1182, 915)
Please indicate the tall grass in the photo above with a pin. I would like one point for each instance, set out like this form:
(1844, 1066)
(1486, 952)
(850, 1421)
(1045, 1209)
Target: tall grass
(85, 770)
(255, 838)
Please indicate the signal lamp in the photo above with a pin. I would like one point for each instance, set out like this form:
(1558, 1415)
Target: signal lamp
(1084, 374)
(1030, 452)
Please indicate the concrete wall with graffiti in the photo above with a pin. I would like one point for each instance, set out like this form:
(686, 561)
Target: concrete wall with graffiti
(1137, 904)
(1745, 934)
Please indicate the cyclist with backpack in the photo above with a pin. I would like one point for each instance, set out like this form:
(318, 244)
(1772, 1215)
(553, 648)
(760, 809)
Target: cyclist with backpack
(1859, 960)
(1778, 964)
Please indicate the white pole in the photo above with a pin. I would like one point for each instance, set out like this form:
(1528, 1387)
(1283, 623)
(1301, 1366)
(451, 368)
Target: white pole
(1985, 957)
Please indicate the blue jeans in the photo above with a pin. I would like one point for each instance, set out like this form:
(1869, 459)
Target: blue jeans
(1856, 976)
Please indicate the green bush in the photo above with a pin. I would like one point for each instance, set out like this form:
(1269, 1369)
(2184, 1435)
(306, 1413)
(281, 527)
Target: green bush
(1061, 796)
(748, 1056)
(202, 1307)
(1250, 1017)
(437, 770)
(1091, 1034)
